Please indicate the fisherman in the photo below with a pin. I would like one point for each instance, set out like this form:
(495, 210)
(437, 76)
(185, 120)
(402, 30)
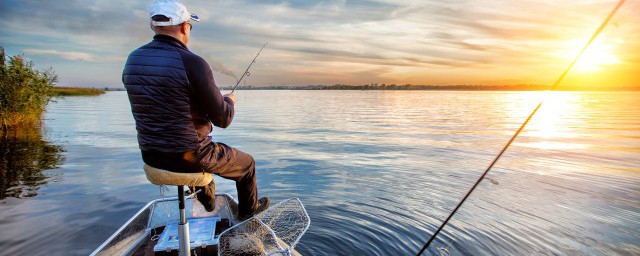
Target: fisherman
(175, 103)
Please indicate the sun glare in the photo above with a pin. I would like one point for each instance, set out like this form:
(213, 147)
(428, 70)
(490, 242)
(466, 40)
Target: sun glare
(599, 54)
(552, 120)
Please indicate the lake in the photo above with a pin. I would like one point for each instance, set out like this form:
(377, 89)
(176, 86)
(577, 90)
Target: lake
(377, 171)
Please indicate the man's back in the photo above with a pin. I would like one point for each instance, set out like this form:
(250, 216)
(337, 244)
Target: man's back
(172, 99)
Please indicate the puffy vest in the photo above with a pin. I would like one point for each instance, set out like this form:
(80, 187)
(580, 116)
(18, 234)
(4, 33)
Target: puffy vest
(159, 92)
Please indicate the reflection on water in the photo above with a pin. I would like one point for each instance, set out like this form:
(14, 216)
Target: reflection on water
(24, 156)
(377, 171)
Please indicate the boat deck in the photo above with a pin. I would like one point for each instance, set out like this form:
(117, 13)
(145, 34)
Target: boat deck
(139, 235)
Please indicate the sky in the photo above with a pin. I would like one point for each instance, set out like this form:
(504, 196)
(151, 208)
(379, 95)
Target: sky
(434, 42)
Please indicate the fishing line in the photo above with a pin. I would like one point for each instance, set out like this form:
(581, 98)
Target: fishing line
(246, 72)
(593, 37)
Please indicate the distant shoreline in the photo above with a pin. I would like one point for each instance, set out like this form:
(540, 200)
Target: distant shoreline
(417, 88)
(75, 91)
(409, 87)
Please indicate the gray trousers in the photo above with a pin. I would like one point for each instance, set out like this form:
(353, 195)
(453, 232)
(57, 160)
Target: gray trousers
(230, 163)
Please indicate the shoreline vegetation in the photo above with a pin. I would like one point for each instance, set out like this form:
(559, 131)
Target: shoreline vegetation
(24, 151)
(75, 91)
(410, 87)
(25, 92)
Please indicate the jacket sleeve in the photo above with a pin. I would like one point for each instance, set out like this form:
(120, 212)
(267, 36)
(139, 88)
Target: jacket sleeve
(219, 109)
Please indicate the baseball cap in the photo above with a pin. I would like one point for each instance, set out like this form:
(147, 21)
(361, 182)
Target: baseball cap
(172, 9)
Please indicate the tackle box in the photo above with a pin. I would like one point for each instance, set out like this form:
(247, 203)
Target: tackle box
(202, 234)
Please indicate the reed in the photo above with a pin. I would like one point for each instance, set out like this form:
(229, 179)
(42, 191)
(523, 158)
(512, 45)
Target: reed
(24, 91)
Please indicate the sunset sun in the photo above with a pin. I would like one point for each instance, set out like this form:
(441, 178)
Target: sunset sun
(596, 57)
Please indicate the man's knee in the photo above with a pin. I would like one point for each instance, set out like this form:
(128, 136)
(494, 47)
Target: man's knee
(252, 161)
(250, 169)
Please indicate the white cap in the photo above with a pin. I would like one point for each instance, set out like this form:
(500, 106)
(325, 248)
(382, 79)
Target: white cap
(172, 9)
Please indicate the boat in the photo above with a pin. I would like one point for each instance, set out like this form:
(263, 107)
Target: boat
(153, 229)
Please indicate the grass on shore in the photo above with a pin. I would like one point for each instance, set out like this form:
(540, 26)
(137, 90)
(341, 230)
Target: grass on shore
(24, 91)
(75, 91)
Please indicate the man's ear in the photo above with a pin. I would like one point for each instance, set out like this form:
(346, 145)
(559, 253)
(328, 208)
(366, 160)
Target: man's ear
(184, 28)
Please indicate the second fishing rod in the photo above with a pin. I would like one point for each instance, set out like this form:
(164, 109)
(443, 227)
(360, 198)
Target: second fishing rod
(522, 126)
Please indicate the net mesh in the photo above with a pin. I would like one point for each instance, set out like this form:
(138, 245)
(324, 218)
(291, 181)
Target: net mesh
(275, 231)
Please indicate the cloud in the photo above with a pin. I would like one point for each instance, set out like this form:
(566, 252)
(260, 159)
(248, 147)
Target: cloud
(395, 40)
(65, 55)
(81, 56)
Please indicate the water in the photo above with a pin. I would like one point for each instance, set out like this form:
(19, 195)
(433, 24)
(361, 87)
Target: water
(377, 171)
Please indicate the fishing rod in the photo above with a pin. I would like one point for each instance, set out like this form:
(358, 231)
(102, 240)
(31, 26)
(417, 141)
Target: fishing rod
(515, 135)
(246, 72)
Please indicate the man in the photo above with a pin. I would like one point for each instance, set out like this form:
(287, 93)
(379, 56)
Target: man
(175, 103)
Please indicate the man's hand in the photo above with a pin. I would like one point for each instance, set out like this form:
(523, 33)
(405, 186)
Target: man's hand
(231, 97)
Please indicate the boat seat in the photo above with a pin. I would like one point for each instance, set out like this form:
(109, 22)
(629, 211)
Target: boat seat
(164, 177)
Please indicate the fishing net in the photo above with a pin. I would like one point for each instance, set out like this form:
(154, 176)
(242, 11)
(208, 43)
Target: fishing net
(276, 231)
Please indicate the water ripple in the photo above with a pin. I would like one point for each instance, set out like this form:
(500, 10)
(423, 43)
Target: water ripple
(378, 172)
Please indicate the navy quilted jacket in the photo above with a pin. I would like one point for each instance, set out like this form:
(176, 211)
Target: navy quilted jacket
(174, 99)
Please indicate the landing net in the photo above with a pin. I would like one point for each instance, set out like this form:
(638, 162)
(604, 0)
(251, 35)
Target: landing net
(275, 231)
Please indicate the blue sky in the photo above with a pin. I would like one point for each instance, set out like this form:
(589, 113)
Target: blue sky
(328, 42)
